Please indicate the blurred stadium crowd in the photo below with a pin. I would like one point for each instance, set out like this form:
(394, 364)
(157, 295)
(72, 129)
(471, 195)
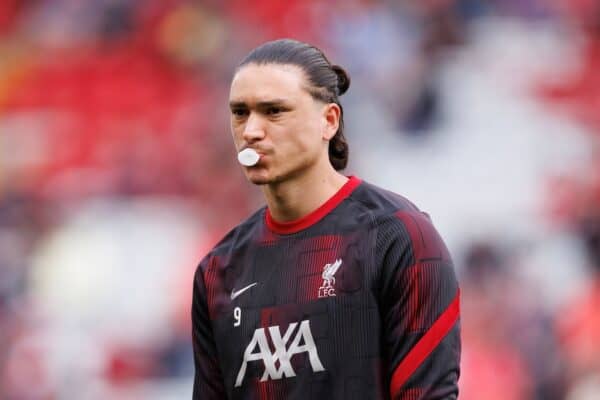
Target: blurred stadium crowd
(117, 173)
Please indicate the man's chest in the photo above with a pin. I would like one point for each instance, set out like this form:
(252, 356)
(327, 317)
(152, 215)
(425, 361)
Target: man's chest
(296, 307)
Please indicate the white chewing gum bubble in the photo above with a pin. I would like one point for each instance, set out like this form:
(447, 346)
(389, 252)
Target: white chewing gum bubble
(248, 157)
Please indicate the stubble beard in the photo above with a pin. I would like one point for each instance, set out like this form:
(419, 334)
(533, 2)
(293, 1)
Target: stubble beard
(260, 180)
(278, 177)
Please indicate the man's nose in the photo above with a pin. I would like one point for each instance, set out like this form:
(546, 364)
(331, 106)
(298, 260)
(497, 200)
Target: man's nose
(254, 129)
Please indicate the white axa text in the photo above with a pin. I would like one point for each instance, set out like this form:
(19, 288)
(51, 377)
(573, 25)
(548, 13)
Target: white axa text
(281, 354)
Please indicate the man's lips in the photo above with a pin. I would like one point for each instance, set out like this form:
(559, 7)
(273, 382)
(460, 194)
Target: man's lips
(259, 150)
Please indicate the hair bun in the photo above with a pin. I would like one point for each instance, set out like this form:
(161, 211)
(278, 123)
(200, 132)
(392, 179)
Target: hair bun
(343, 79)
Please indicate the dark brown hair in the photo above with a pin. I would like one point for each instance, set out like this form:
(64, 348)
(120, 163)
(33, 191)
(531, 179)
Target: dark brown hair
(327, 82)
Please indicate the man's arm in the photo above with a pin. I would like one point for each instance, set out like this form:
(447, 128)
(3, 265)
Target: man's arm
(208, 380)
(420, 307)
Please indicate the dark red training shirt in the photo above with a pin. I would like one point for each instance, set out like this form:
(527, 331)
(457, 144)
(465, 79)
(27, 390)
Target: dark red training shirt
(357, 300)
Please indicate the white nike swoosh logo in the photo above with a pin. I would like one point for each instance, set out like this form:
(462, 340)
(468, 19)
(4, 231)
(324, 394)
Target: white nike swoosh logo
(235, 294)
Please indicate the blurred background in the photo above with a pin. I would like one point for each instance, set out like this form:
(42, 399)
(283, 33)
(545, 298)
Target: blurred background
(117, 174)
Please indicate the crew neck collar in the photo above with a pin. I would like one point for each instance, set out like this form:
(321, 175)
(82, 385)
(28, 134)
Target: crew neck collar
(286, 228)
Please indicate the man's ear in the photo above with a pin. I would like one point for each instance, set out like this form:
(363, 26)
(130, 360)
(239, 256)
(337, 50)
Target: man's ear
(331, 120)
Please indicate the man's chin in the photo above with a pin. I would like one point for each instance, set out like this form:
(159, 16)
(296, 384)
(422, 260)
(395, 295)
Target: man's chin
(259, 181)
(258, 178)
(261, 178)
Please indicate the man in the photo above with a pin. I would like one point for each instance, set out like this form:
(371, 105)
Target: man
(336, 289)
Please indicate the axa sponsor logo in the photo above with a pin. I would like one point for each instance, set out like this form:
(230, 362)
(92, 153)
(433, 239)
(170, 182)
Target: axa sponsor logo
(258, 350)
(327, 288)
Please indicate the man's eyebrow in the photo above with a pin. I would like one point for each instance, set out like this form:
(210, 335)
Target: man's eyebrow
(237, 104)
(260, 104)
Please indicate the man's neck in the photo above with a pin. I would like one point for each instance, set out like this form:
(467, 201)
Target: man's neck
(298, 197)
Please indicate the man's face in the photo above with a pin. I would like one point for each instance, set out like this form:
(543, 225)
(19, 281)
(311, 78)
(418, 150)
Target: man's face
(273, 113)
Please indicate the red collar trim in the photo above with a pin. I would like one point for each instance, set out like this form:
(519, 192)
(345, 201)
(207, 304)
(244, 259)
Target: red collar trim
(287, 228)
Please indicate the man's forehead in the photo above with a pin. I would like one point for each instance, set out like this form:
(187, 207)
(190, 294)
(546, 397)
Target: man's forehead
(266, 83)
(252, 102)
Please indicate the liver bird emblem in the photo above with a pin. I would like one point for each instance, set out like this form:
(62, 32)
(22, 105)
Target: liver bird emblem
(329, 271)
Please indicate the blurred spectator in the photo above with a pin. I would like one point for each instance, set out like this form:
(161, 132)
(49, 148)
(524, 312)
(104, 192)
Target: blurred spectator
(510, 351)
(579, 322)
(579, 89)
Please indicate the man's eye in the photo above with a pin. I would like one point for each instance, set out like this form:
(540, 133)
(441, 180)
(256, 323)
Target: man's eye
(239, 112)
(274, 110)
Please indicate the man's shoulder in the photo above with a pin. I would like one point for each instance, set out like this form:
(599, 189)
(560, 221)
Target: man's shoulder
(382, 203)
(394, 216)
(401, 225)
(236, 238)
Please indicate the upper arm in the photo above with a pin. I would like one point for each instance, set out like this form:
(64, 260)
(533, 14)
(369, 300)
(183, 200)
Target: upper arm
(420, 308)
(208, 379)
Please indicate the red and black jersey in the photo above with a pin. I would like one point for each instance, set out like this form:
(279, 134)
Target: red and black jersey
(357, 300)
